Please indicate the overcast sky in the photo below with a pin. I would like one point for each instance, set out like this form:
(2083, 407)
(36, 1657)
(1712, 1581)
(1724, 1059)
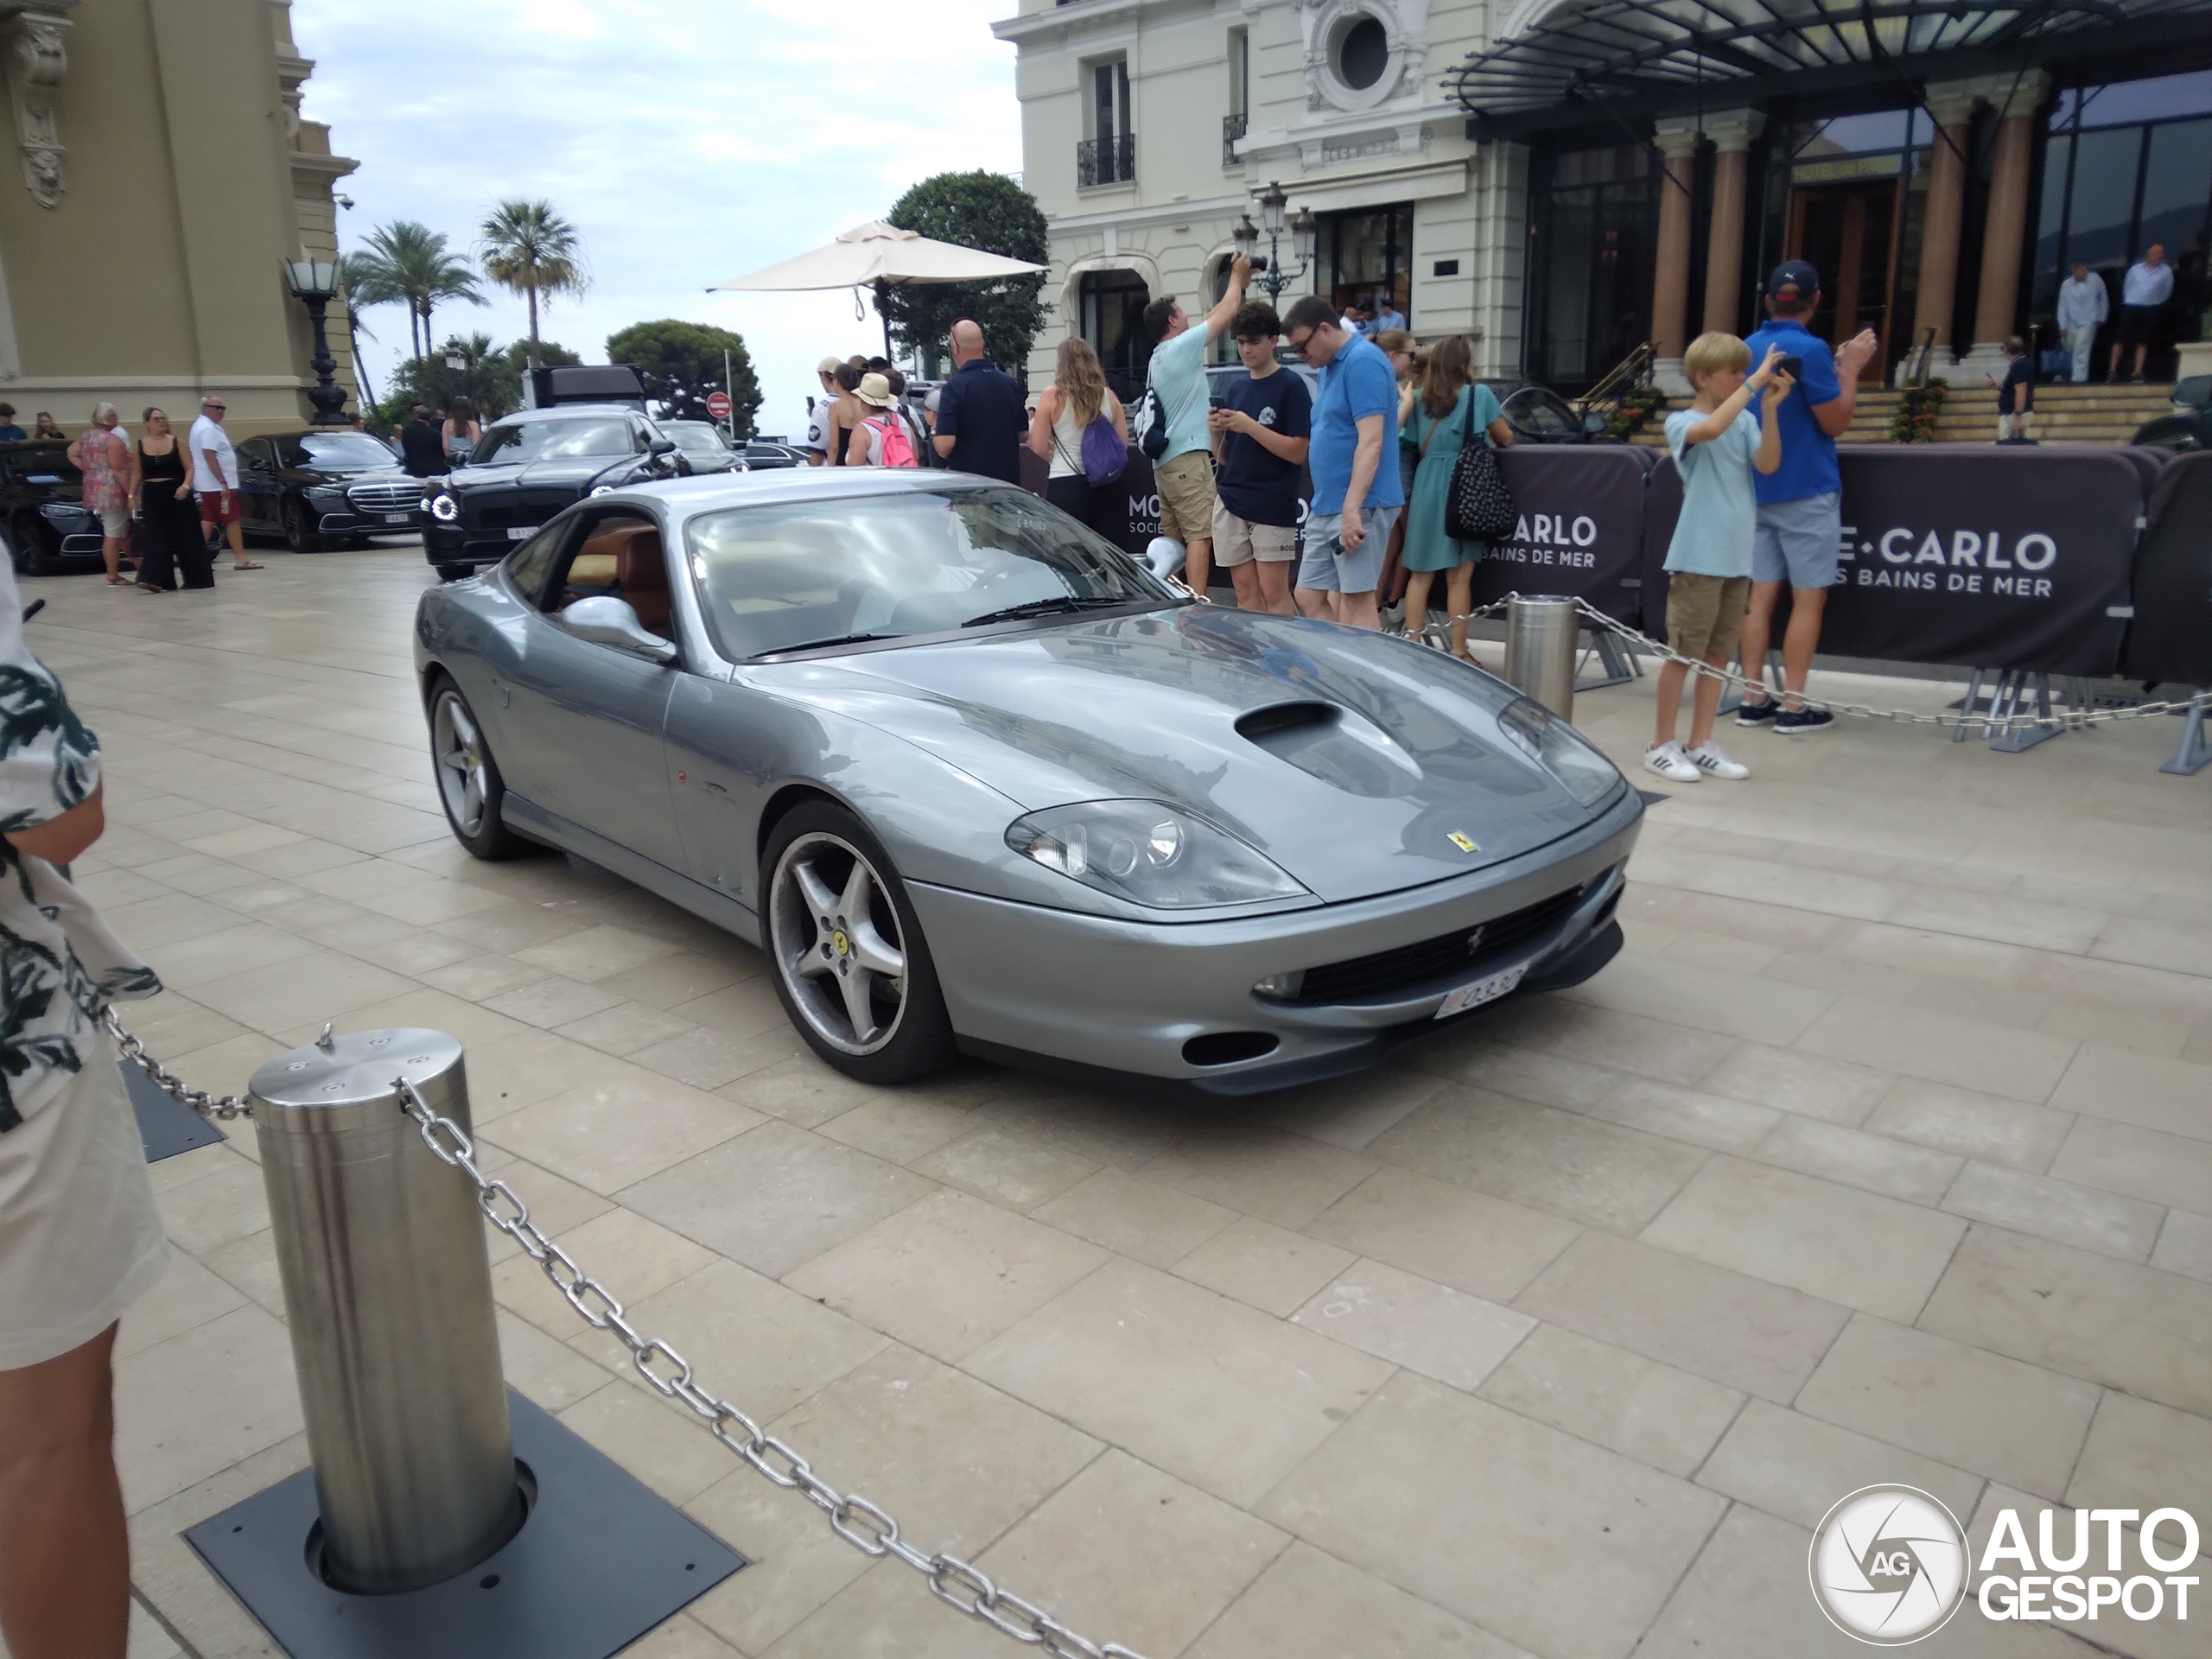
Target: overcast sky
(690, 140)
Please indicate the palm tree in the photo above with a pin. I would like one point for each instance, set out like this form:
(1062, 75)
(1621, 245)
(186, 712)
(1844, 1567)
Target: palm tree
(528, 249)
(408, 262)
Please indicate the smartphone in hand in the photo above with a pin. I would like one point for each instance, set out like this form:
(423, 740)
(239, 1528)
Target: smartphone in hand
(1792, 366)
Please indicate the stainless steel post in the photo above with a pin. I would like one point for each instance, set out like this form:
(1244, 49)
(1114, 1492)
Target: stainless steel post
(388, 1288)
(1541, 635)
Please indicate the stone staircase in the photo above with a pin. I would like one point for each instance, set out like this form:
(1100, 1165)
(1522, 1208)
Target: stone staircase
(2064, 414)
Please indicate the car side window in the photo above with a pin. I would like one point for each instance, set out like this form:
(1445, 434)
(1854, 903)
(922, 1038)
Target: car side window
(617, 555)
(527, 565)
(640, 439)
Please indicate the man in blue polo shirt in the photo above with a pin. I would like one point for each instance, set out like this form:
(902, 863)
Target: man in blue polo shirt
(1801, 502)
(981, 417)
(1356, 498)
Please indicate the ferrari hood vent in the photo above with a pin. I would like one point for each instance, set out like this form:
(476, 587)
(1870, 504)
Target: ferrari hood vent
(1331, 742)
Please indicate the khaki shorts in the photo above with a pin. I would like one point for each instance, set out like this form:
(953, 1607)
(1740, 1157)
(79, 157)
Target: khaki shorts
(1239, 541)
(1185, 486)
(1705, 615)
(80, 1236)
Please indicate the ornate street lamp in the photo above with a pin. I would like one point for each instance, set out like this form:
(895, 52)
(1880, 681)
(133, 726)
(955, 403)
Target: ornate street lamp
(1268, 272)
(315, 282)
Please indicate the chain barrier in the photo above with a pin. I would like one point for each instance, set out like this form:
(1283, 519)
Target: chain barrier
(2073, 720)
(866, 1526)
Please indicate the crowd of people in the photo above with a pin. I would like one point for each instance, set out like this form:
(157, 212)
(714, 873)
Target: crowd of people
(163, 503)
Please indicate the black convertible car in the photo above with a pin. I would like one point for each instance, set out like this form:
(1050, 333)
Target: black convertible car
(42, 504)
(317, 486)
(528, 467)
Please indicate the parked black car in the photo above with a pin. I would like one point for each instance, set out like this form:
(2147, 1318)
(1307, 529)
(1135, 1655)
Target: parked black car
(526, 468)
(41, 503)
(2189, 427)
(766, 454)
(704, 447)
(314, 487)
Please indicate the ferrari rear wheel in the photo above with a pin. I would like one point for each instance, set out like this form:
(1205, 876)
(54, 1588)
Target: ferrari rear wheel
(469, 778)
(851, 967)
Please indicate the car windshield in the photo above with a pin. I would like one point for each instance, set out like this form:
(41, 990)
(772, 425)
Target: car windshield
(780, 578)
(44, 465)
(696, 437)
(527, 441)
(342, 449)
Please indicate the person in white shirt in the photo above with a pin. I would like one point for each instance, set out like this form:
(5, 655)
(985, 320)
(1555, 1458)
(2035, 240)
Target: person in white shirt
(2082, 306)
(2143, 293)
(215, 476)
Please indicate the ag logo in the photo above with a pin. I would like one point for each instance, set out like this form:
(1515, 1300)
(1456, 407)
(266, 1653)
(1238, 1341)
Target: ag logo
(1889, 1564)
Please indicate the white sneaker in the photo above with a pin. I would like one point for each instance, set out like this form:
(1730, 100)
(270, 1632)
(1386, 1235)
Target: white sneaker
(1713, 761)
(1669, 762)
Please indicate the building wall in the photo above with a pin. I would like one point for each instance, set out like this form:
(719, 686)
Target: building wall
(187, 179)
(1173, 223)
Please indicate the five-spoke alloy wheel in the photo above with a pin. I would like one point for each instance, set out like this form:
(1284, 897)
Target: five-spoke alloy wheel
(469, 778)
(851, 968)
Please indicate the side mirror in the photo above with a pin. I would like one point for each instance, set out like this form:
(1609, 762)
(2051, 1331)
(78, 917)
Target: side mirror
(661, 447)
(605, 620)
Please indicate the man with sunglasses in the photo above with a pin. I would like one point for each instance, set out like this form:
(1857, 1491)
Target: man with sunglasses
(215, 476)
(1356, 498)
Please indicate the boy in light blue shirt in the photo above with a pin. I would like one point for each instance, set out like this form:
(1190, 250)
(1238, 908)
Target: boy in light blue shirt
(1716, 442)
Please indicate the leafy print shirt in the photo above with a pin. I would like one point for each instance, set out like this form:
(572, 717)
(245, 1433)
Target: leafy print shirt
(60, 964)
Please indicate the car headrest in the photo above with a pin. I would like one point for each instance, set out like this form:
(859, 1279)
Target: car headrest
(639, 566)
(592, 570)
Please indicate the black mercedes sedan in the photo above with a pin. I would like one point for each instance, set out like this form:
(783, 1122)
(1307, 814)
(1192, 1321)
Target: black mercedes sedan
(41, 503)
(526, 468)
(318, 487)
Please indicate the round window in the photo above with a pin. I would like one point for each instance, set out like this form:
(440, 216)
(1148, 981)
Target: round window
(1363, 52)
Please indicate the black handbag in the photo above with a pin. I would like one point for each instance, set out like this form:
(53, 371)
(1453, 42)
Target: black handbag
(1478, 507)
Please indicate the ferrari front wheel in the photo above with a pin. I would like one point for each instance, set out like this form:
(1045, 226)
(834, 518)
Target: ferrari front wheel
(850, 965)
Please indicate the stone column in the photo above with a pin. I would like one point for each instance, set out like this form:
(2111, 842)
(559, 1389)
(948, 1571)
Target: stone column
(1953, 108)
(1677, 138)
(1731, 133)
(2007, 229)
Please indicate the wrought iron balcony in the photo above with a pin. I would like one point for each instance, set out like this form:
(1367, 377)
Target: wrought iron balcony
(1111, 160)
(1233, 127)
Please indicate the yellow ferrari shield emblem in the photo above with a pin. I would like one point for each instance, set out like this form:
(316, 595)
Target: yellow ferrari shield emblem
(839, 943)
(1465, 844)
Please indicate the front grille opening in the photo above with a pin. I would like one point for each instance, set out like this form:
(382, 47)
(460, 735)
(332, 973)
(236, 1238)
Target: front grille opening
(1227, 1047)
(1363, 977)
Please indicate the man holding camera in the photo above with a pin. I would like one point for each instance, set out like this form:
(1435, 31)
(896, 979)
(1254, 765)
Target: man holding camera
(1800, 503)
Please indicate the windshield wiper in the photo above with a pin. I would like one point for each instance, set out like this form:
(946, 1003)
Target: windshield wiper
(1059, 602)
(817, 644)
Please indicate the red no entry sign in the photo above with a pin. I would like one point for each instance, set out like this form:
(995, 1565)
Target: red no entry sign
(718, 405)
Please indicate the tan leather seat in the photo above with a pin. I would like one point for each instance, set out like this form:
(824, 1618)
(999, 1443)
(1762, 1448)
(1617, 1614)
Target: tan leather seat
(641, 572)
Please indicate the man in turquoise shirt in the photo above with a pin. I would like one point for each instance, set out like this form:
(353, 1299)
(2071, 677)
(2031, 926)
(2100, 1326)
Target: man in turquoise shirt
(1184, 474)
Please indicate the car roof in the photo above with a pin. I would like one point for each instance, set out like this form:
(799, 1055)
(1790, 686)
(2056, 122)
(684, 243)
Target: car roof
(570, 411)
(686, 497)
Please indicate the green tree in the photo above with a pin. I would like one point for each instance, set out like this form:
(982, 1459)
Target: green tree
(528, 249)
(491, 377)
(987, 211)
(682, 362)
(406, 262)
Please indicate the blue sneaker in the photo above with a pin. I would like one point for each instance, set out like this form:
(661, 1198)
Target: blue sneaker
(1800, 722)
(1757, 714)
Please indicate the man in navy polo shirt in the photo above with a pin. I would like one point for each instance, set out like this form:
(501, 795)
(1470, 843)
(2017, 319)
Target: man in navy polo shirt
(1801, 502)
(981, 419)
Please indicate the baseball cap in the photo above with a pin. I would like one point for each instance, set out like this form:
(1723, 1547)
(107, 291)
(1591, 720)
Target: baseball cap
(829, 365)
(1793, 279)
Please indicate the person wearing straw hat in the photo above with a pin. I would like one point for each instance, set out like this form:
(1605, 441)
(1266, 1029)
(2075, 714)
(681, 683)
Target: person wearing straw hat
(880, 438)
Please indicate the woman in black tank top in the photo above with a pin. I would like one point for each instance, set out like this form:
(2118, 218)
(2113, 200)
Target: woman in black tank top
(168, 520)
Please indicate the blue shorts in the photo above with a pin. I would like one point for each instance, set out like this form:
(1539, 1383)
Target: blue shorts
(1798, 542)
(1330, 566)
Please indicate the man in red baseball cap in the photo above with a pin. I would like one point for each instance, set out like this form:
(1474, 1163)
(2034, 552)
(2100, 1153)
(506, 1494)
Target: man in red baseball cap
(1801, 502)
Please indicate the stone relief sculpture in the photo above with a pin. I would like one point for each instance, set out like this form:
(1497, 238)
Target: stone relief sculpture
(37, 46)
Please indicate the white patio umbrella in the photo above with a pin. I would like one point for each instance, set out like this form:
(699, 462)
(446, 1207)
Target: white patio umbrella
(881, 255)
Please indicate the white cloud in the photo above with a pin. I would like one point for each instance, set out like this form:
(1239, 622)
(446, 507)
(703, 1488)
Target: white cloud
(691, 141)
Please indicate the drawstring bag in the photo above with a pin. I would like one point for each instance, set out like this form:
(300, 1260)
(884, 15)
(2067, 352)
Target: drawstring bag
(1104, 455)
(1478, 507)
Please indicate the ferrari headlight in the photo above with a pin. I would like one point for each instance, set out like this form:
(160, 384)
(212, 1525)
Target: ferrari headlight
(1561, 750)
(443, 508)
(1149, 853)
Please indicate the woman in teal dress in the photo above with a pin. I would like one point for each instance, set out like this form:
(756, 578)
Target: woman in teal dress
(1439, 419)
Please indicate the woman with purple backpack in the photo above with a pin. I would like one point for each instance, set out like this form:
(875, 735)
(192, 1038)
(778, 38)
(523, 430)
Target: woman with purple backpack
(1080, 428)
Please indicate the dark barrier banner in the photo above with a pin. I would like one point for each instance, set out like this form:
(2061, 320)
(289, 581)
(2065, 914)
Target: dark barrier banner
(2170, 640)
(1580, 525)
(1973, 558)
(1129, 510)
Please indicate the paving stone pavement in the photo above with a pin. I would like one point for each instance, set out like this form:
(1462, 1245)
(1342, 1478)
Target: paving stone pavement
(1884, 1153)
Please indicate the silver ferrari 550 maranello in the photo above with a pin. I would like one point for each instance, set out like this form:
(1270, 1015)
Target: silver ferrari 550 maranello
(975, 781)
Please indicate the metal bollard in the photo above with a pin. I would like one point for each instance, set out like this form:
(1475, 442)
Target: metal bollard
(1541, 637)
(388, 1289)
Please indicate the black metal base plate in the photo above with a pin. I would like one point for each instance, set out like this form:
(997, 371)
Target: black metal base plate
(601, 1560)
(166, 1126)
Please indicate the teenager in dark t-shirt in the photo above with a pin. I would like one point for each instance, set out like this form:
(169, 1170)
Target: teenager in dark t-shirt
(1260, 439)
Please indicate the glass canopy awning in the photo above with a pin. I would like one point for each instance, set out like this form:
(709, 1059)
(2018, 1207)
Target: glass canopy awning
(1619, 58)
